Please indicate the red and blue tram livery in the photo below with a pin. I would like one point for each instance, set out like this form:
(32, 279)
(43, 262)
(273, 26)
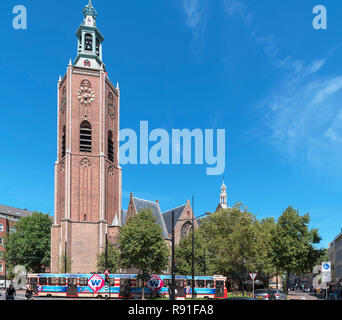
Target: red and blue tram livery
(124, 286)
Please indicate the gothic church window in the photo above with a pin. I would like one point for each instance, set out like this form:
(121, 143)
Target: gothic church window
(185, 229)
(110, 146)
(85, 137)
(63, 143)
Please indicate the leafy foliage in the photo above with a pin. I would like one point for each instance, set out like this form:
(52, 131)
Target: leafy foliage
(142, 244)
(113, 260)
(29, 243)
(293, 248)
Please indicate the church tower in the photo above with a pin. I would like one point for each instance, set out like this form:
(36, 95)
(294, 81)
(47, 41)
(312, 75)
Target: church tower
(223, 196)
(87, 171)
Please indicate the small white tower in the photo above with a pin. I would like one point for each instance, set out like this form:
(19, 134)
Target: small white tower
(223, 196)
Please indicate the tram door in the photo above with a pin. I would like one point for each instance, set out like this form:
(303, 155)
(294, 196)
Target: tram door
(180, 289)
(125, 288)
(72, 287)
(219, 289)
(34, 285)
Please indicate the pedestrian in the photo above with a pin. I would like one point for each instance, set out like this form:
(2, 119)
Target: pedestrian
(29, 292)
(10, 293)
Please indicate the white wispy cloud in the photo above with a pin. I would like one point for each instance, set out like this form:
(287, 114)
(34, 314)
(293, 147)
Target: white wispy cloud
(239, 9)
(195, 16)
(192, 13)
(304, 115)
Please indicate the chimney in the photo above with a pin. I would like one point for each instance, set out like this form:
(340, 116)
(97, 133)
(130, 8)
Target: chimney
(131, 196)
(157, 201)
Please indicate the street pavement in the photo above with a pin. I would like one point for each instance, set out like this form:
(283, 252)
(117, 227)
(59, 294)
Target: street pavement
(303, 296)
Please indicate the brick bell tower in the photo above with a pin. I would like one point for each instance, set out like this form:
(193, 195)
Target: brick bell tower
(87, 171)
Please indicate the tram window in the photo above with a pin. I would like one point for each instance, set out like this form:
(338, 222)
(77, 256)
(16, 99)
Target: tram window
(180, 283)
(167, 283)
(43, 281)
(33, 281)
(200, 284)
(61, 281)
(83, 282)
(112, 282)
(52, 281)
(139, 283)
(210, 284)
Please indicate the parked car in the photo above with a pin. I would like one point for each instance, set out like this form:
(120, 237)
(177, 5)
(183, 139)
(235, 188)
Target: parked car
(265, 294)
(280, 295)
(239, 298)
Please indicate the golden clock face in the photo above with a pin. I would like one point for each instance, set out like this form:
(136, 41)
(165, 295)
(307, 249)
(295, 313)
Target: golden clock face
(86, 96)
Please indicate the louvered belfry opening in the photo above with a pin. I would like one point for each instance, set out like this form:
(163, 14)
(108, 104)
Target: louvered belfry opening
(110, 146)
(63, 143)
(85, 137)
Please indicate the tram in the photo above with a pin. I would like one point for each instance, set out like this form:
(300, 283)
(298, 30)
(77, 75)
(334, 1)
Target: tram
(124, 286)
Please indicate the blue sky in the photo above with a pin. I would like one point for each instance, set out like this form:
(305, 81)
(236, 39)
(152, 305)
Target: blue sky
(256, 68)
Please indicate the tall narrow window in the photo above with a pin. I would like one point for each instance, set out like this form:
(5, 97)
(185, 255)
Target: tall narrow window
(110, 146)
(88, 42)
(63, 143)
(97, 47)
(85, 137)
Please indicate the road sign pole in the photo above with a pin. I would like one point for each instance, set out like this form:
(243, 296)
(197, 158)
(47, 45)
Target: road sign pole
(253, 288)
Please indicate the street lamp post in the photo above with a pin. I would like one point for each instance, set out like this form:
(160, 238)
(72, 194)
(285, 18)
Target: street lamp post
(173, 256)
(193, 251)
(65, 257)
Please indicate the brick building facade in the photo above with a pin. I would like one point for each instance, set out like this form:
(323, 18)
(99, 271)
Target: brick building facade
(9, 216)
(87, 171)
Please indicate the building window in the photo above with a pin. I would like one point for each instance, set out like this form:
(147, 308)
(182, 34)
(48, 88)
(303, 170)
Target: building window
(2, 254)
(110, 146)
(88, 42)
(1, 268)
(185, 229)
(1, 241)
(63, 143)
(97, 47)
(85, 137)
(1, 227)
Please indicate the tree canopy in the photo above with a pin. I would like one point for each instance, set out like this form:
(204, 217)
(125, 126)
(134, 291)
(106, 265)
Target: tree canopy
(113, 260)
(142, 244)
(293, 242)
(28, 244)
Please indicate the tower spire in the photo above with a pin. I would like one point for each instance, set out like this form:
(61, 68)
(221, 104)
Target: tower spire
(89, 10)
(89, 50)
(223, 196)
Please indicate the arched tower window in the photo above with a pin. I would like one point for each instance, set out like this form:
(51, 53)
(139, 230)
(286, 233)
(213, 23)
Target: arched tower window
(85, 137)
(110, 146)
(63, 143)
(88, 42)
(185, 229)
(97, 47)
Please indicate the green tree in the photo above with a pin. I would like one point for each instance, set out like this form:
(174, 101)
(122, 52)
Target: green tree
(183, 256)
(264, 258)
(292, 241)
(230, 236)
(142, 245)
(113, 260)
(63, 264)
(29, 243)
